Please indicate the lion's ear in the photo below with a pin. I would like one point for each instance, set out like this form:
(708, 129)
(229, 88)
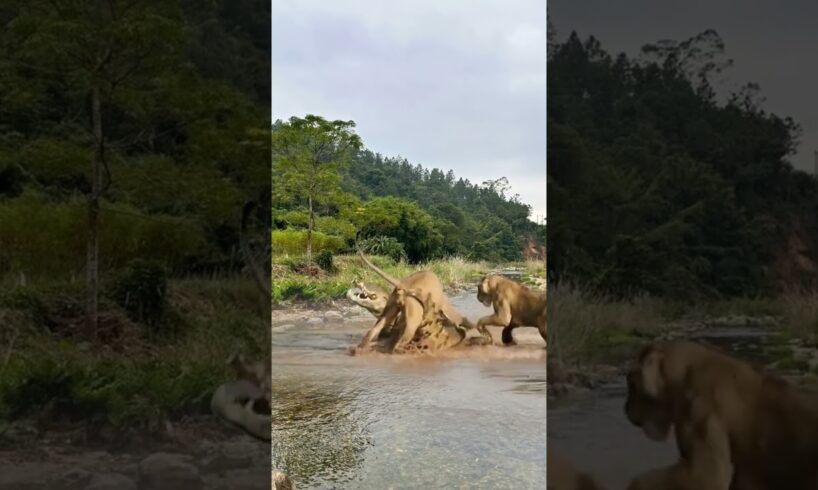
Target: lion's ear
(484, 284)
(653, 379)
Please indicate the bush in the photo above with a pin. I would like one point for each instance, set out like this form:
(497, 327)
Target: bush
(110, 391)
(325, 260)
(384, 245)
(142, 291)
(302, 289)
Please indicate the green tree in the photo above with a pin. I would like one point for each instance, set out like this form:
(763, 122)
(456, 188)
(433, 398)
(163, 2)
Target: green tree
(101, 54)
(690, 195)
(308, 156)
(404, 221)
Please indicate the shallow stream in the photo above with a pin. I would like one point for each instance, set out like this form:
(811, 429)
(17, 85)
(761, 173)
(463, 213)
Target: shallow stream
(472, 418)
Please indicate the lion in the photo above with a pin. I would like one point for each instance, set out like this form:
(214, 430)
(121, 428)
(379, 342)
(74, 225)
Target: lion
(733, 424)
(562, 476)
(281, 481)
(514, 306)
(408, 299)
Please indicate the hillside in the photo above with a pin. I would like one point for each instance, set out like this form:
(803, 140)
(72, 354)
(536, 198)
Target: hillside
(427, 212)
(693, 194)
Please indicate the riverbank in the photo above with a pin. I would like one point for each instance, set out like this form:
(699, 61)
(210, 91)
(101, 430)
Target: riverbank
(194, 453)
(295, 284)
(593, 337)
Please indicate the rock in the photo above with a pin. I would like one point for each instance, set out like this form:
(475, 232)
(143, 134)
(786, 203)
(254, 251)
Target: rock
(315, 321)
(168, 471)
(333, 317)
(16, 477)
(73, 478)
(283, 328)
(111, 481)
(247, 479)
(231, 455)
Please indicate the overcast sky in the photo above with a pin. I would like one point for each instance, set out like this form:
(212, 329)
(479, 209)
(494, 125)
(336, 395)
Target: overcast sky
(772, 43)
(454, 84)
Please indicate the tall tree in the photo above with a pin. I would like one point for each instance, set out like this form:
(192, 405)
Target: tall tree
(101, 54)
(308, 156)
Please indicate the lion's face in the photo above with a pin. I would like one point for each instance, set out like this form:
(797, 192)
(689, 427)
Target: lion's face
(483, 295)
(646, 406)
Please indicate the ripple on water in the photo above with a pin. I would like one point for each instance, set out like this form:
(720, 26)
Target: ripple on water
(473, 420)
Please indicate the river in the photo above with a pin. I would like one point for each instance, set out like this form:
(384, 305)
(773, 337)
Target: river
(467, 419)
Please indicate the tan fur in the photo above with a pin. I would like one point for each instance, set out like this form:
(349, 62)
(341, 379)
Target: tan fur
(406, 299)
(282, 482)
(735, 426)
(562, 476)
(514, 306)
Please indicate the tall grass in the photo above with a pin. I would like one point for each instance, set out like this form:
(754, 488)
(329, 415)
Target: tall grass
(454, 272)
(135, 380)
(799, 313)
(44, 238)
(293, 242)
(584, 325)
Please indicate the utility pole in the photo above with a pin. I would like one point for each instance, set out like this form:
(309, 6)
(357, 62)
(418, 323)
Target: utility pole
(815, 169)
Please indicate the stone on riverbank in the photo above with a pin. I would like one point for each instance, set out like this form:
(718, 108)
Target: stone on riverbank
(169, 471)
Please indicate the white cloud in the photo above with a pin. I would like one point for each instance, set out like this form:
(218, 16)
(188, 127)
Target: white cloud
(457, 84)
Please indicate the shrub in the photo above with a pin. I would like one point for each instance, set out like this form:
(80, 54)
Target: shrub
(141, 290)
(325, 260)
(384, 245)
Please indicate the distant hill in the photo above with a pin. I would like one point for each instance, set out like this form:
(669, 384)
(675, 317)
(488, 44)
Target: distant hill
(690, 195)
(477, 220)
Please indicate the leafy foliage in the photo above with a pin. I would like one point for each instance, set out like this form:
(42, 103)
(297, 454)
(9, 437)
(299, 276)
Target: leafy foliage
(141, 290)
(384, 245)
(325, 261)
(185, 133)
(361, 195)
(690, 196)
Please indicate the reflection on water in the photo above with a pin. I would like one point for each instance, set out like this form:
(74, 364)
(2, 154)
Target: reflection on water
(591, 431)
(472, 419)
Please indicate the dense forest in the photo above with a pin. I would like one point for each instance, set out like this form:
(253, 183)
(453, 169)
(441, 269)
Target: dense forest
(134, 190)
(659, 184)
(411, 212)
(155, 114)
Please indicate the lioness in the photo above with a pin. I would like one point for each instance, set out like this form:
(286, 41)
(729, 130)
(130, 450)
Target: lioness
(563, 476)
(408, 298)
(514, 306)
(734, 425)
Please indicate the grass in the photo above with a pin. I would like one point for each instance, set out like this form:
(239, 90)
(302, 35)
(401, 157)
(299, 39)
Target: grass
(132, 379)
(799, 313)
(586, 327)
(583, 326)
(291, 285)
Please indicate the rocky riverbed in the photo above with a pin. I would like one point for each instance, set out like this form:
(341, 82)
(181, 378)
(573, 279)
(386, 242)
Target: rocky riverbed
(755, 338)
(204, 454)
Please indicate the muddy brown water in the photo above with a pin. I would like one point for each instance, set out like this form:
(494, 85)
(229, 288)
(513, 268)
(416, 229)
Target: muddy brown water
(590, 429)
(466, 419)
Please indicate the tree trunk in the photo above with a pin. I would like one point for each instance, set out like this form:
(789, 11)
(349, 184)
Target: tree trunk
(92, 245)
(310, 224)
